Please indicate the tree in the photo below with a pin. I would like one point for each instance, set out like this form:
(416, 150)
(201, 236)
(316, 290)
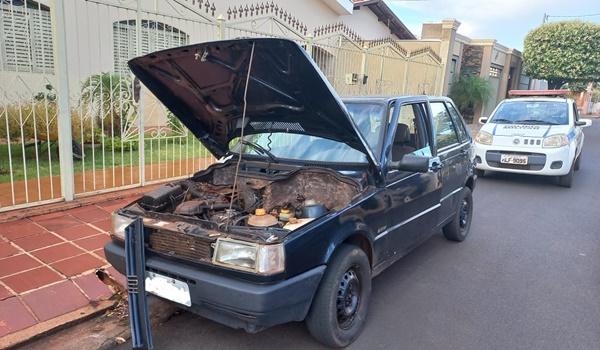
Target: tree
(563, 52)
(470, 91)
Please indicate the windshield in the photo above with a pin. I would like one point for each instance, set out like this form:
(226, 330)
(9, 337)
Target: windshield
(532, 112)
(280, 145)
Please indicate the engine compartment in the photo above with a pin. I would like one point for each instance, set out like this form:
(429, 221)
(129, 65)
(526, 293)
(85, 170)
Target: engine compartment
(260, 198)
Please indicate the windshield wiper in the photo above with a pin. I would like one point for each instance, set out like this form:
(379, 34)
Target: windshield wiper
(501, 120)
(532, 121)
(260, 149)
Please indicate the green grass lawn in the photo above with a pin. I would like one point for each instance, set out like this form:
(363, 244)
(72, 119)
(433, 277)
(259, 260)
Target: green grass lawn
(95, 158)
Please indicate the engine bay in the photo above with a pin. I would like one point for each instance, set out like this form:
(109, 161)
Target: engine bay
(254, 197)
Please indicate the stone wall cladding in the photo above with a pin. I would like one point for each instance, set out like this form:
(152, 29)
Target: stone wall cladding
(472, 58)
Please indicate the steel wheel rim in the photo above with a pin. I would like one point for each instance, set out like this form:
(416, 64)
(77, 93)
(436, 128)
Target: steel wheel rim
(348, 298)
(464, 214)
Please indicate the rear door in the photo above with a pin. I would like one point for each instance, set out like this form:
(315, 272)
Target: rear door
(453, 144)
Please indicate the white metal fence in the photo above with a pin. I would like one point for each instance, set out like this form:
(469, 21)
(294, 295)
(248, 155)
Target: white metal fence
(71, 87)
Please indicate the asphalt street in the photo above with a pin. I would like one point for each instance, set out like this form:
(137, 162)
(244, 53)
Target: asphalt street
(527, 277)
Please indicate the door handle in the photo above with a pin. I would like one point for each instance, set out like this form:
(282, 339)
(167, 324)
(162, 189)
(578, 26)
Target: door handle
(435, 164)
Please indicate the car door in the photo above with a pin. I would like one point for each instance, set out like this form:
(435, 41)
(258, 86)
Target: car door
(453, 146)
(412, 197)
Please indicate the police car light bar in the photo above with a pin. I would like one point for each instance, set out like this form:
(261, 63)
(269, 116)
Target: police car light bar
(540, 93)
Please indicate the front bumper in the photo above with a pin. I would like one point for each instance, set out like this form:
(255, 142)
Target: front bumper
(233, 302)
(541, 161)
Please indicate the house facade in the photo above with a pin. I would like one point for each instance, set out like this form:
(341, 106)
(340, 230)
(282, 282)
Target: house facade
(501, 65)
(64, 81)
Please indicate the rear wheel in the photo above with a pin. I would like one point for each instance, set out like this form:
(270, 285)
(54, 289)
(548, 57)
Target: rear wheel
(458, 229)
(338, 312)
(578, 162)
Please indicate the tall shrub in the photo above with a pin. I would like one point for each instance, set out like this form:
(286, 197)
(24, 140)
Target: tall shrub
(470, 91)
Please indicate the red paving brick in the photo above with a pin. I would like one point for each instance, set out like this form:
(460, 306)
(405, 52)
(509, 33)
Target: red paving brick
(42, 240)
(63, 221)
(104, 225)
(6, 249)
(116, 274)
(76, 232)
(17, 263)
(4, 293)
(100, 252)
(78, 264)
(14, 316)
(47, 216)
(120, 202)
(93, 287)
(78, 209)
(31, 279)
(55, 300)
(23, 230)
(7, 224)
(57, 252)
(94, 242)
(92, 215)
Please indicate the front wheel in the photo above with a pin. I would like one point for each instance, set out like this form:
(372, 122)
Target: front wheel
(578, 162)
(339, 309)
(458, 229)
(479, 172)
(566, 180)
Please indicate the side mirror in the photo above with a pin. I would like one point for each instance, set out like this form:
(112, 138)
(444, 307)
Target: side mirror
(584, 123)
(411, 162)
(483, 120)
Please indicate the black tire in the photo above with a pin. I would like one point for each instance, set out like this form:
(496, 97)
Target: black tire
(479, 172)
(567, 180)
(577, 165)
(458, 229)
(338, 311)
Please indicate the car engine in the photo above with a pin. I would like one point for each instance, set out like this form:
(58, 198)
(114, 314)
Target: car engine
(260, 197)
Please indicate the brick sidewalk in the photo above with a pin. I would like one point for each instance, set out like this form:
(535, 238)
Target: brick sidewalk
(48, 263)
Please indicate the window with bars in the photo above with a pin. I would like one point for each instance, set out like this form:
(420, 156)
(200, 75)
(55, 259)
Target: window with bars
(155, 36)
(26, 32)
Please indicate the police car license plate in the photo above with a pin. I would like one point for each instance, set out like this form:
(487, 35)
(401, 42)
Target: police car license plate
(168, 288)
(513, 159)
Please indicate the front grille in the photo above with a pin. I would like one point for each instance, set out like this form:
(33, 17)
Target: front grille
(181, 245)
(514, 166)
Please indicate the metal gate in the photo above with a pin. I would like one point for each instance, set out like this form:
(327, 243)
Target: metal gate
(71, 122)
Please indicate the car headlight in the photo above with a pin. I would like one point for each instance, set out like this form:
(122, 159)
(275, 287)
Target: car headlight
(485, 138)
(555, 141)
(119, 223)
(263, 259)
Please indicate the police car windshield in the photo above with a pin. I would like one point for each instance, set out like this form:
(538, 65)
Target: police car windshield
(532, 112)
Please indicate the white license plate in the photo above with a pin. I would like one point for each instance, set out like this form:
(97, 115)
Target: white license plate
(168, 288)
(513, 159)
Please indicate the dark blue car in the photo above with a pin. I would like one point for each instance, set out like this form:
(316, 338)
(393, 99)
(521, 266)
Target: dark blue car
(312, 196)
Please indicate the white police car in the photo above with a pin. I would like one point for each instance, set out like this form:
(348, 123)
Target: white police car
(532, 132)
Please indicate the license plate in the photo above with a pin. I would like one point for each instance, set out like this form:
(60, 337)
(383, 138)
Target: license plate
(513, 159)
(168, 288)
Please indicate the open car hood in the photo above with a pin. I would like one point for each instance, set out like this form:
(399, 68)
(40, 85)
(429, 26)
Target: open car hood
(203, 85)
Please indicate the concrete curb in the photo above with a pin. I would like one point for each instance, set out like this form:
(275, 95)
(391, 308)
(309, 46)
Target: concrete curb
(98, 333)
(57, 324)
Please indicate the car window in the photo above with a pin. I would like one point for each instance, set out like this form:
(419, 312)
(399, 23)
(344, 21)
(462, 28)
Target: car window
(460, 125)
(368, 118)
(445, 134)
(575, 112)
(410, 134)
(297, 146)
